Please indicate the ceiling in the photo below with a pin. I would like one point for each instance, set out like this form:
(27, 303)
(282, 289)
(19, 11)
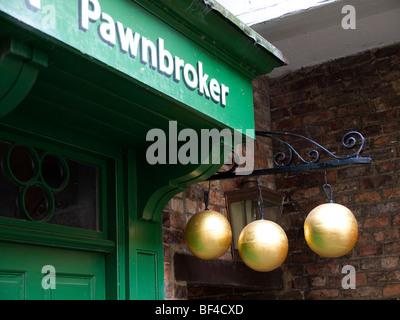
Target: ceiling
(315, 35)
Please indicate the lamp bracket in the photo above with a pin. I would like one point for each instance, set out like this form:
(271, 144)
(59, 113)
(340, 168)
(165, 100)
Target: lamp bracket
(290, 160)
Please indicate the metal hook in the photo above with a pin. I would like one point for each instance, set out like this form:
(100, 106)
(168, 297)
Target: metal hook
(330, 196)
(206, 196)
(328, 186)
(260, 200)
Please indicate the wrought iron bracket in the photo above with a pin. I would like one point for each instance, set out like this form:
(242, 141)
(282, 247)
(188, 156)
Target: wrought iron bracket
(291, 160)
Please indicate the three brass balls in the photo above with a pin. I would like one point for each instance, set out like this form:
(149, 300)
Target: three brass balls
(330, 230)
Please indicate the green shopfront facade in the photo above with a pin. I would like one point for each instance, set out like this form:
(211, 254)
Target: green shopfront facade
(81, 84)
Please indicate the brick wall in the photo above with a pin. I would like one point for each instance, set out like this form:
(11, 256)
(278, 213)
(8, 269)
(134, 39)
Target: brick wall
(359, 93)
(324, 102)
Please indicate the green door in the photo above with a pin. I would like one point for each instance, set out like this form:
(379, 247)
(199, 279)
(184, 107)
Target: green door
(78, 275)
(53, 232)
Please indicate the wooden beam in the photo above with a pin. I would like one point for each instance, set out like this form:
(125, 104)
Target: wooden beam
(224, 273)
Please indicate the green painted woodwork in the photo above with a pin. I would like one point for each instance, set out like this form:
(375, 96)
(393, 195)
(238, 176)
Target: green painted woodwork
(65, 90)
(21, 64)
(84, 34)
(81, 276)
(216, 29)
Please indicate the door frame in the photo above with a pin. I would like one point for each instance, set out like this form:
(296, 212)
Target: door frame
(108, 240)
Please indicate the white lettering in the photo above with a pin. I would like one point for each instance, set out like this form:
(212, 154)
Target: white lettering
(172, 310)
(155, 55)
(148, 46)
(87, 14)
(165, 61)
(107, 29)
(203, 88)
(128, 41)
(215, 90)
(190, 76)
(179, 64)
(33, 4)
(224, 93)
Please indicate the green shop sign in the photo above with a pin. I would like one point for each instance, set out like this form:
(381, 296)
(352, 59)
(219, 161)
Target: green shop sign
(128, 38)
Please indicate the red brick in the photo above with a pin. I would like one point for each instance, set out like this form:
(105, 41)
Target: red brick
(390, 262)
(177, 205)
(299, 194)
(361, 279)
(353, 172)
(388, 166)
(291, 295)
(304, 257)
(393, 275)
(368, 250)
(370, 264)
(352, 109)
(391, 193)
(392, 290)
(288, 182)
(217, 198)
(372, 196)
(229, 184)
(289, 124)
(376, 182)
(387, 235)
(319, 269)
(301, 283)
(364, 237)
(318, 281)
(322, 294)
(392, 248)
(378, 277)
(362, 291)
(190, 206)
(173, 236)
(396, 220)
(376, 222)
(319, 117)
(177, 221)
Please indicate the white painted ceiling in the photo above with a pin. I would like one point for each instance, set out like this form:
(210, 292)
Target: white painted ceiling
(314, 34)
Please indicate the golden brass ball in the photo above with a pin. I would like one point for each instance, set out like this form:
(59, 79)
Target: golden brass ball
(263, 245)
(208, 234)
(331, 230)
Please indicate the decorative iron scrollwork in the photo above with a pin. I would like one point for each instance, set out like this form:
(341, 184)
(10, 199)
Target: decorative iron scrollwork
(291, 160)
